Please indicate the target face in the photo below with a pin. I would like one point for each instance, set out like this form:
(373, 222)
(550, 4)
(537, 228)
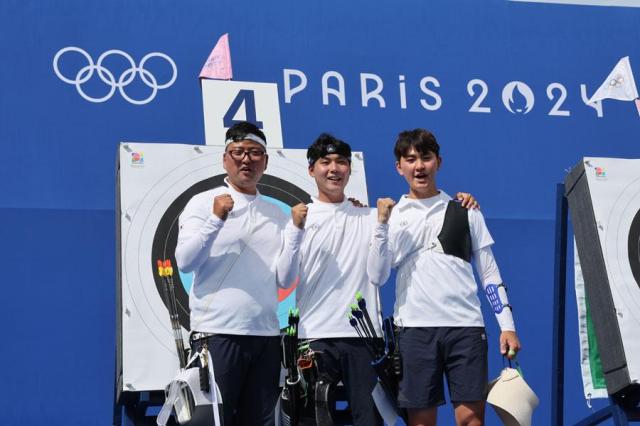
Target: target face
(157, 181)
(615, 191)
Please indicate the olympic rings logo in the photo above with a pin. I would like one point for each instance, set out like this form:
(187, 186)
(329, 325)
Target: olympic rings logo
(126, 77)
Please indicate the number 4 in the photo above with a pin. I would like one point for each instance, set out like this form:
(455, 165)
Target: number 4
(246, 97)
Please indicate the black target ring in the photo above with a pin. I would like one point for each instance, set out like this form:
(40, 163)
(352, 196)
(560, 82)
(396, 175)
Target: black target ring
(634, 247)
(166, 235)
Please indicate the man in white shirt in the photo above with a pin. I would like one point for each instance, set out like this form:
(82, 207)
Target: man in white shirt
(330, 259)
(431, 241)
(331, 264)
(230, 238)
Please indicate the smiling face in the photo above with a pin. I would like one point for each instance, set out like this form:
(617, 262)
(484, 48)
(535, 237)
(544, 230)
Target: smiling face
(331, 174)
(244, 169)
(419, 170)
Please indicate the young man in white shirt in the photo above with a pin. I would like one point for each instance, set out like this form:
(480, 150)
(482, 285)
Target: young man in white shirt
(334, 237)
(330, 261)
(230, 238)
(431, 241)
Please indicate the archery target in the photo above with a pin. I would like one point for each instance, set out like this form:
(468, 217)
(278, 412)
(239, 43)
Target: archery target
(615, 191)
(157, 180)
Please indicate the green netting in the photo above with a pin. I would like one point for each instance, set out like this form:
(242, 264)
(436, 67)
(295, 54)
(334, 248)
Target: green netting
(597, 377)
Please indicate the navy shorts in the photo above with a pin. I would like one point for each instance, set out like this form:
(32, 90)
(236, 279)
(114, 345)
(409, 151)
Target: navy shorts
(429, 353)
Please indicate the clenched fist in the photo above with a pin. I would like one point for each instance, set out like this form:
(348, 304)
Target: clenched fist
(222, 205)
(299, 215)
(385, 205)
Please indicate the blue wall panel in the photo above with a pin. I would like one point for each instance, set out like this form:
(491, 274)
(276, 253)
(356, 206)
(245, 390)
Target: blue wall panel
(58, 316)
(59, 150)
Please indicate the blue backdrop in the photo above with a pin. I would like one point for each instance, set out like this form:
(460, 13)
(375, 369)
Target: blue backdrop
(59, 149)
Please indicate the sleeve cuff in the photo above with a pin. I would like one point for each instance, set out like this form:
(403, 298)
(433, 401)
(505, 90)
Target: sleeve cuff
(292, 233)
(212, 224)
(505, 321)
(381, 230)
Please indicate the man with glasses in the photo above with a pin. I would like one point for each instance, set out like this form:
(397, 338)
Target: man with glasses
(230, 238)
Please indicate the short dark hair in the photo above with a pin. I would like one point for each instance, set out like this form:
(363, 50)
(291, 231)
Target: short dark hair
(421, 140)
(327, 144)
(238, 131)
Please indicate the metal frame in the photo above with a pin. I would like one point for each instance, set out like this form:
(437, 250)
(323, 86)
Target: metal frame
(559, 308)
(139, 409)
(615, 410)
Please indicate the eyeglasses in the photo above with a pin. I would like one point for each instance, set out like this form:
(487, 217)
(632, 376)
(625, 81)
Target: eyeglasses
(238, 154)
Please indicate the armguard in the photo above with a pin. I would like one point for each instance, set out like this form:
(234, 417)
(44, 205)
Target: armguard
(497, 296)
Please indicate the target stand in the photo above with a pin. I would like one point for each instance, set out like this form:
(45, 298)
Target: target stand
(603, 197)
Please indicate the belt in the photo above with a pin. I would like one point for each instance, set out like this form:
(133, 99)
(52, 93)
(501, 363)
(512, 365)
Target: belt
(196, 335)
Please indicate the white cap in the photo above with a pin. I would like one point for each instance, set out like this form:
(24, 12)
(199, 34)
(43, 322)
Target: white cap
(512, 398)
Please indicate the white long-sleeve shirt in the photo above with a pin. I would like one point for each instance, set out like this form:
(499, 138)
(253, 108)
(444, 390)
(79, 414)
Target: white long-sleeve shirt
(331, 263)
(433, 289)
(234, 263)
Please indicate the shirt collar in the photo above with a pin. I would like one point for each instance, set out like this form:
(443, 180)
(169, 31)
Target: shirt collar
(240, 195)
(324, 206)
(406, 203)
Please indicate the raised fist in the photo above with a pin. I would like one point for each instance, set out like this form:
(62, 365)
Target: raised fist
(299, 215)
(385, 205)
(222, 205)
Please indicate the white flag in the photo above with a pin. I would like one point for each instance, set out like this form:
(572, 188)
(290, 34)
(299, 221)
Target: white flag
(618, 85)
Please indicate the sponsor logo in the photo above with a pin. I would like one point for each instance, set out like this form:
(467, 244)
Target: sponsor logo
(110, 79)
(600, 173)
(137, 159)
